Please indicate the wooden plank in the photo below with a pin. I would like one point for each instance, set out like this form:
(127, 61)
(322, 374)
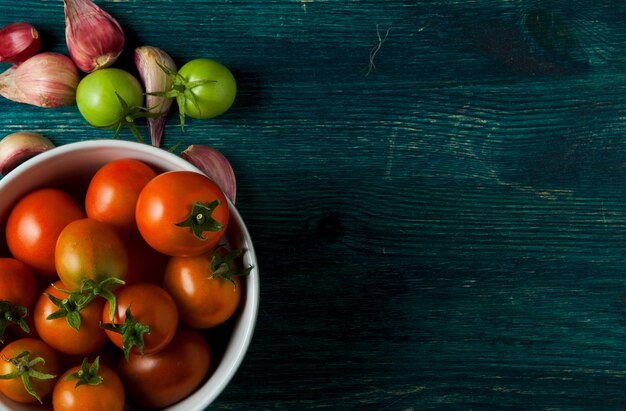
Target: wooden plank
(435, 190)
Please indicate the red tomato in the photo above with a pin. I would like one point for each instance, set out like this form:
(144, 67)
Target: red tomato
(161, 379)
(149, 305)
(11, 356)
(202, 301)
(112, 193)
(88, 249)
(182, 213)
(107, 395)
(18, 292)
(34, 225)
(59, 334)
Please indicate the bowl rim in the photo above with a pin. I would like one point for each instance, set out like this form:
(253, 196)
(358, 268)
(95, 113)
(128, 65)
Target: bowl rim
(205, 394)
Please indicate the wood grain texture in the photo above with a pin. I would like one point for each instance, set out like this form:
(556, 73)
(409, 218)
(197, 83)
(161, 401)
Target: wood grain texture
(436, 191)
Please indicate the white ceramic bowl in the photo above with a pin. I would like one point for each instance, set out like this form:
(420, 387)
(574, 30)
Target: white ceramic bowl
(71, 166)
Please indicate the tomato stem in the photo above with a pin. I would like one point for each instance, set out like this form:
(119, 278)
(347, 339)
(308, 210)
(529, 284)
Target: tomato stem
(181, 91)
(11, 313)
(128, 117)
(224, 266)
(87, 375)
(200, 219)
(132, 332)
(25, 369)
(70, 307)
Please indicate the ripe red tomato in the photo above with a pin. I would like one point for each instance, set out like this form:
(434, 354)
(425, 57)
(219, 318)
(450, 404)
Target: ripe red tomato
(158, 380)
(34, 225)
(112, 193)
(88, 249)
(203, 300)
(101, 390)
(14, 359)
(149, 305)
(59, 334)
(18, 293)
(182, 213)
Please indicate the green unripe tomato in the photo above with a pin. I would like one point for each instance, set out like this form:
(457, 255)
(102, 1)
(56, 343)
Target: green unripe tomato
(213, 97)
(96, 98)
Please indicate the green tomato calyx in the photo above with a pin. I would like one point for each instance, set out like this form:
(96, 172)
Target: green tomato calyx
(11, 313)
(224, 266)
(70, 307)
(181, 90)
(87, 375)
(128, 117)
(25, 369)
(200, 219)
(132, 333)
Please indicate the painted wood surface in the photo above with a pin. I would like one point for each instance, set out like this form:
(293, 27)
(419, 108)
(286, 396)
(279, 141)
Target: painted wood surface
(436, 191)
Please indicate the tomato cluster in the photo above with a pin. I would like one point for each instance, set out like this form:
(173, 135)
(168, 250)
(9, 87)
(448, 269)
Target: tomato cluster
(104, 298)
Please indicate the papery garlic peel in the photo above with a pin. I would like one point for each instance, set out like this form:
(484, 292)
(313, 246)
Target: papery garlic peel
(94, 38)
(18, 42)
(215, 165)
(18, 147)
(46, 80)
(154, 78)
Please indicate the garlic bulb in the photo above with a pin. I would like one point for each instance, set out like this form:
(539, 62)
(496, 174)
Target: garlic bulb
(46, 80)
(18, 42)
(149, 62)
(18, 147)
(94, 38)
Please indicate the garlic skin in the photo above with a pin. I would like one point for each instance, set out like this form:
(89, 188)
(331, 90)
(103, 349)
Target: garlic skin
(94, 38)
(215, 165)
(18, 147)
(18, 42)
(46, 80)
(147, 60)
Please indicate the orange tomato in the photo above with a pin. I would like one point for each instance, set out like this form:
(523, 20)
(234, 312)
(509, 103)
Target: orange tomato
(14, 388)
(59, 334)
(34, 225)
(182, 213)
(202, 301)
(108, 395)
(113, 191)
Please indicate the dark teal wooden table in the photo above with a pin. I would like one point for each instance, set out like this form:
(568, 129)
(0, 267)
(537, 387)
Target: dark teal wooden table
(436, 191)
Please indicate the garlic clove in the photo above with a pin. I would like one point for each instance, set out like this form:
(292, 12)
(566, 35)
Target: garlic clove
(94, 38)
(18, 42)
(154, 78)
(215, 165)
(18, 147)
(46, 80)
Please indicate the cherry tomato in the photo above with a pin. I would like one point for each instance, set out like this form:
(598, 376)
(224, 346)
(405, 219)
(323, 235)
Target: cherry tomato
(14, 359)
(98, 391)
(112, 193)
(203, 301)
(182, 213)
(97, 100)
(59, 334)
(161, 379)
(149, 305)
(215, 96)
(18, 293)
(34, 225)
(88, 249)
